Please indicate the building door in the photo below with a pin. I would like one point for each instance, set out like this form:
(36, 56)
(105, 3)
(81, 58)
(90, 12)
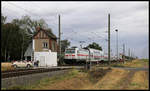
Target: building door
(42, 61)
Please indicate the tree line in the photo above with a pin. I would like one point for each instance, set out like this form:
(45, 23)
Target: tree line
(16, 36)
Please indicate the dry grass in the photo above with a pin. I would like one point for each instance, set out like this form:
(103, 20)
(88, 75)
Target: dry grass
(78, 82)
(134, 63)
(140, 80)
(118, 79)
(137, 63)
(6, 66)
(109, 80)
(60, 82)
(74, 80)
(112, 80)
(74, 83)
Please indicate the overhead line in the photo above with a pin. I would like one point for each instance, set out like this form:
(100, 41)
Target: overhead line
(23, 9)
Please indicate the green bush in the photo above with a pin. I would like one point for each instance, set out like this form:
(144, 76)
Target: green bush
(61, 59)
(117, 65)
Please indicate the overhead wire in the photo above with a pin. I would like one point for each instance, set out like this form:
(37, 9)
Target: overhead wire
(75, 33)
(27, 11)
(23, 9)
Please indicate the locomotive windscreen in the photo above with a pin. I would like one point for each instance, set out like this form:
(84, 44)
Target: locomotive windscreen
(70, 51)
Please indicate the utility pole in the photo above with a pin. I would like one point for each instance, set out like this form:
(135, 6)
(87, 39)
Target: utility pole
(59, 37)
(123, 52)
(22, 46)
(129, 52)
(109, 38)
(117, 43)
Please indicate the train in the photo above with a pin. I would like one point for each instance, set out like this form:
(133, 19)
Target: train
(83, 55)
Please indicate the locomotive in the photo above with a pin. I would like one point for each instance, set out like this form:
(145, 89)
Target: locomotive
(81, 56)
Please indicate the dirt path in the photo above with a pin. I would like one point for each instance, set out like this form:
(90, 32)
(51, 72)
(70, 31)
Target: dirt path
(120, 79)
(125, 81)
(109, 80)
(123, 77)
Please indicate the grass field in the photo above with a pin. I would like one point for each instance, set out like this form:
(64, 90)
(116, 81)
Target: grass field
(6, 66)
(134, 63)
(139, 80)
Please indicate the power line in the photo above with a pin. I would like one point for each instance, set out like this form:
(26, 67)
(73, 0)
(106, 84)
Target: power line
(36, 14)
(4, 5)
(90, 38)
(29, 12)
(22, 8)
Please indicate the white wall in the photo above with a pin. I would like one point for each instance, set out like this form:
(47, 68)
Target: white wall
(46, 58)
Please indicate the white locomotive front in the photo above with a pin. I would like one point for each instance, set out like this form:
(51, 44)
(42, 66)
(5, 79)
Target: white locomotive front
(75, 55)
(70, 53)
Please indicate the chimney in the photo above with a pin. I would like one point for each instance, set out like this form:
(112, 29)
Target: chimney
(38, 28)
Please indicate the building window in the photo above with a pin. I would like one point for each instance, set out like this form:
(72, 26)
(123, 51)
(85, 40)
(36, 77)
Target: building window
(45, 45)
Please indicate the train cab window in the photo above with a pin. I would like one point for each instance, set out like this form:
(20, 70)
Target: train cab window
(70, 51)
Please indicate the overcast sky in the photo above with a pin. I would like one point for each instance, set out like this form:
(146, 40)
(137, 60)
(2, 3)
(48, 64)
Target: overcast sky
(88, 21)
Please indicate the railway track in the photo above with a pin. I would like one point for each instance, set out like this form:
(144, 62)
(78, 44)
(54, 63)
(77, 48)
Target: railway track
(21, 72)
(14, 70)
